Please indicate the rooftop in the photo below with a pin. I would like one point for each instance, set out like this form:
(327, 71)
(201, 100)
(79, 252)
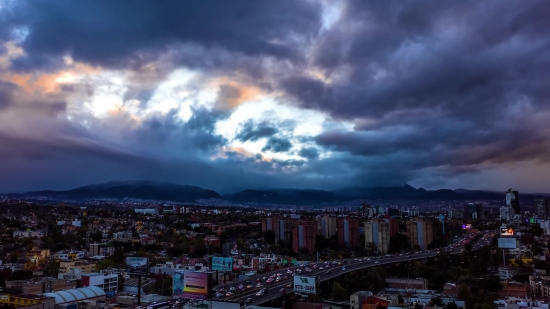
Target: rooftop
(73, 295)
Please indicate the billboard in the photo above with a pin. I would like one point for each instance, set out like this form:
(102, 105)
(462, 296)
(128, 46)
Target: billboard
(506, 231)
(190, 284)
(304, 284)
(466, 226)
(222, 264)
(507, 243)
(137, 265)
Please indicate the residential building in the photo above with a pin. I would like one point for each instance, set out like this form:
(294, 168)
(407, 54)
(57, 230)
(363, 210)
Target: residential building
(39, 285)
(29, 301)
(65, 266)
(356, 299)
(105, 281)
(304, 234)
(378, 231)
(473, 211)
(283, 227)
(348, 232)
(515, 289)
(506, 273)
(147, 211)
(327, 226)
(28, 234)
(101, 249)
(37, 256)
(419, 233)
(541, 208)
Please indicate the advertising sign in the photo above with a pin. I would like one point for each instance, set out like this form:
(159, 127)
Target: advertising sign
(505, 231)
(137, 265)
(190, 284)
(466, 226)
(506, 243)
(222, 264)
(304, 284)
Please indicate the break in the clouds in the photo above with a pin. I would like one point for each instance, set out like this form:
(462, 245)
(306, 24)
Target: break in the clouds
(307, 93)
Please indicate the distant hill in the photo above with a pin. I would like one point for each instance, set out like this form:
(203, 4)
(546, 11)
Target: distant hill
(147, 190)
(164, 191)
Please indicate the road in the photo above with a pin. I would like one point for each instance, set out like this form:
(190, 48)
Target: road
(274, 290)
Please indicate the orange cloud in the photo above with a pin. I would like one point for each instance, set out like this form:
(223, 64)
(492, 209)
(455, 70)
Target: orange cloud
(232, 94)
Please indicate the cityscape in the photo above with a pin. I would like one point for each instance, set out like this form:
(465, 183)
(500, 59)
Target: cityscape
(263, 154)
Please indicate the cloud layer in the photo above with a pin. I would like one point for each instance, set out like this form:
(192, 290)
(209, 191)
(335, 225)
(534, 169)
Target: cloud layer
(309, 93)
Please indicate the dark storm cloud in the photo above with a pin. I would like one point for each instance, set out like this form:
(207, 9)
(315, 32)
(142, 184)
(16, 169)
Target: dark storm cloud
(253, 132)
(309, 153)
(112, 32)
(277, 144)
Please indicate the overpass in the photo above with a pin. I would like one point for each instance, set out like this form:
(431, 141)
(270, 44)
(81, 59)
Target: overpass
(273, 290)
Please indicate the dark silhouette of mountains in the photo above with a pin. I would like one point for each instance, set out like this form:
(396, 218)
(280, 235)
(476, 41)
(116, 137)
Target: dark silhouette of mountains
(147, 190)
(162, 191)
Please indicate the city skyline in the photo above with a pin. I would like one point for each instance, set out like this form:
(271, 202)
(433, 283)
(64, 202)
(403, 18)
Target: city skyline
(286, 94)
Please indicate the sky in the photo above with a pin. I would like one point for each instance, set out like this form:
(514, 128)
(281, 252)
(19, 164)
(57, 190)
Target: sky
(230, 95)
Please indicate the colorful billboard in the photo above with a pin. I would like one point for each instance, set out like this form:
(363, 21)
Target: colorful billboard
(137, 265)
(304, 284)
(190, 284)
(222, 264)
(466, 226)
(506, 231)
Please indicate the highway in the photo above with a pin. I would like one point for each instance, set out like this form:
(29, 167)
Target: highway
(350, 265)
(273, 290)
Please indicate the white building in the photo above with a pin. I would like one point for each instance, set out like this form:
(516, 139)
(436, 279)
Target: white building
(106, 282)
(505, 213)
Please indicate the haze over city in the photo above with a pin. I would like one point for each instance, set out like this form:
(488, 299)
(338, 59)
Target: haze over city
(229, 95)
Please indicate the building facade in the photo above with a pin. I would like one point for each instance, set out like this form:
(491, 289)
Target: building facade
(102, 249)
(378, 231)
(473, 211)
(327, 226)
(348, 232)
(541, 208)
(419, 233)
(512, 201)
(304, 233)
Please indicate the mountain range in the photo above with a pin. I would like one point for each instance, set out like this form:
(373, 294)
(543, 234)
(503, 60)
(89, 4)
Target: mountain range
(163, 191)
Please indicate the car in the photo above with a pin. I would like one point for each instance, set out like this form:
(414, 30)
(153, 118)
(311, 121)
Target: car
(261, 292)
(343, 268)
(278, 279)
(248, 300)
(249, 286)
(289, 271)
(264, 278)
(321, 268)
(327, 272)
(228, 294)
(259, 285)
(219, 295)
(356, 259)
(282, 290)
(289, 285)
(232, 289)
(376, 262)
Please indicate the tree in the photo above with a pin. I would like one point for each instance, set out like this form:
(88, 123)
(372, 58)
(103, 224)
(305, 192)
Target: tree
(104, 264)
(339, 292)
(436, 301)
(371, 248)
(451, 305)
(269, 237)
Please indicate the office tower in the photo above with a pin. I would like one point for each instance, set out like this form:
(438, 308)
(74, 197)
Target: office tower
(378, 231)
(473, 211)
(505, 213)
(326, 226)
(512, 201)
(419, 233)
(304, 233)
(541, 208)
(348, 232)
